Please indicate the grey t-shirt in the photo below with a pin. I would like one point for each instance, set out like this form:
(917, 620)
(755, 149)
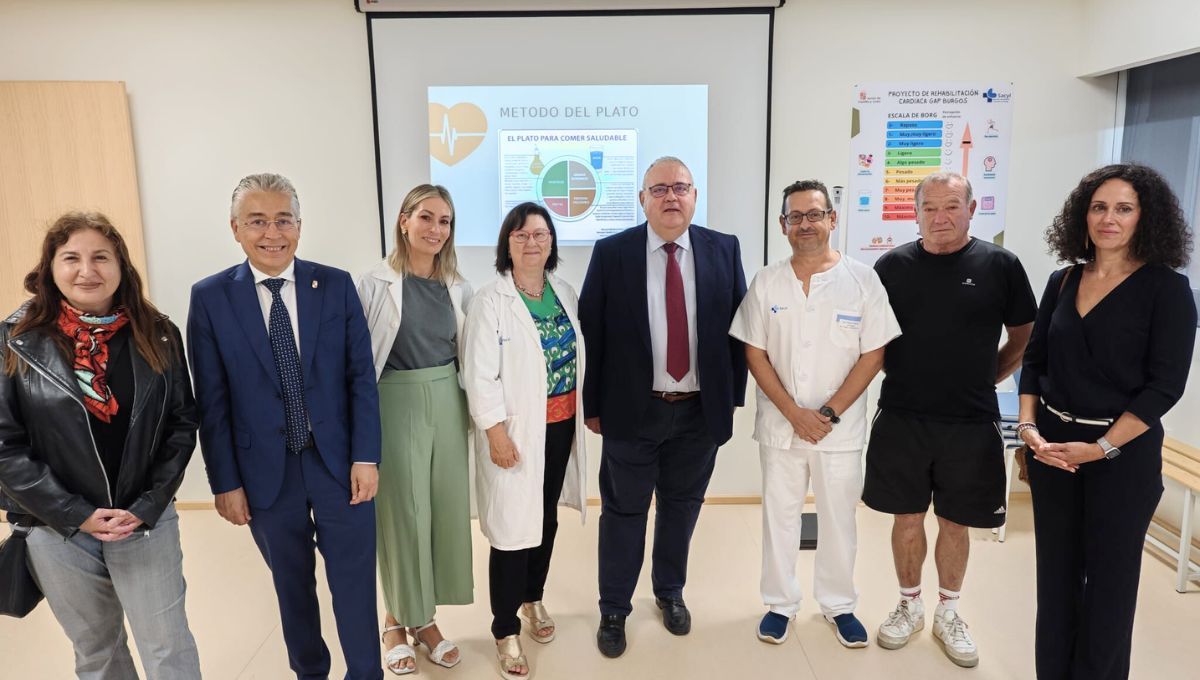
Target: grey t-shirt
(427, 332)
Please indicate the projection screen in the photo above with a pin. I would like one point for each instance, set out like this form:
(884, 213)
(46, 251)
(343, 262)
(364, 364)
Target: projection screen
(569, 110)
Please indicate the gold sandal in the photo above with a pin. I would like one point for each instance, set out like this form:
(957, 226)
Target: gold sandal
(539, 619)
(508, 651)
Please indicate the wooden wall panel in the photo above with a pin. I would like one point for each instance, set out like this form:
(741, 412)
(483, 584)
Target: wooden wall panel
(63, 146)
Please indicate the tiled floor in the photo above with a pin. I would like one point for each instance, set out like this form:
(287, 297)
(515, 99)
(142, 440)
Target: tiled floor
(235, 620)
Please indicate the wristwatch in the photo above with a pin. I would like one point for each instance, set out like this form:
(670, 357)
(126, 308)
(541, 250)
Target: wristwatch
(828, 413)
(1110, 451)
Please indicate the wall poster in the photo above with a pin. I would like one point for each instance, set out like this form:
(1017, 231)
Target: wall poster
(902, 132)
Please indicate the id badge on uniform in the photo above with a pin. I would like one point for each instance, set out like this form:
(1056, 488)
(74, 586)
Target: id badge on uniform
(848, 321)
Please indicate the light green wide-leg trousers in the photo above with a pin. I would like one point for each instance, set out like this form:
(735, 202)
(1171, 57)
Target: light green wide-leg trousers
(422, 511)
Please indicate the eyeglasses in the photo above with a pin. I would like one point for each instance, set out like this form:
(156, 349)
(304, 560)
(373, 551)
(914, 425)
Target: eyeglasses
(813, 216)
(283, 224)
(660, 190)
(524, 236)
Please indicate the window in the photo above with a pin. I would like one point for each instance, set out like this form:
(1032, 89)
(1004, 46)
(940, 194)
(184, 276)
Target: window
(1162, 130)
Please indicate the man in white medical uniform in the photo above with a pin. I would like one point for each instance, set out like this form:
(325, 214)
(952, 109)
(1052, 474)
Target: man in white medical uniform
(814, 326)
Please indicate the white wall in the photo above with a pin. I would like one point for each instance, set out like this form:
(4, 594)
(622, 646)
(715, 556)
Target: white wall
(221, 89)
(1059, 121)
(1120, 34)
(218, 90)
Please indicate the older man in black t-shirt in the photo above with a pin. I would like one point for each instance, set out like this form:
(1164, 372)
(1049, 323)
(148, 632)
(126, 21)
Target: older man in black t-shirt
(936, 434)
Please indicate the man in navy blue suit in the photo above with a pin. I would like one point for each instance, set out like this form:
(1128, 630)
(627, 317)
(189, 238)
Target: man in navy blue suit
(663, 378)
(291, 443)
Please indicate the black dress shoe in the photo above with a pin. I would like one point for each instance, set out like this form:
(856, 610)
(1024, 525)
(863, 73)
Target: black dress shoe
(676, 616)
(610, 639)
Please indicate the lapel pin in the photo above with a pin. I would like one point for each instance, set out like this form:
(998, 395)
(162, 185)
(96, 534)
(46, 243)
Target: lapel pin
(314, 284)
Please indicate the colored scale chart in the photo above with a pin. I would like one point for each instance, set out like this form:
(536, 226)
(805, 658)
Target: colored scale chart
(914, 150)
(568, 189)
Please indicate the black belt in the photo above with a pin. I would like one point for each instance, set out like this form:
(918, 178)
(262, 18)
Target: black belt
(672, 397)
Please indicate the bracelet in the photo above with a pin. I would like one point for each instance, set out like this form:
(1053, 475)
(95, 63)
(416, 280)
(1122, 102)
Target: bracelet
(1022, 427)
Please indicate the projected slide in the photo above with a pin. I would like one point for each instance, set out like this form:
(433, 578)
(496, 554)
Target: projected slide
(577, 150)
(587, 179)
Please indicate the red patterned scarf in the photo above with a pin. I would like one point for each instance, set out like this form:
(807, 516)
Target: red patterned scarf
(91, 334)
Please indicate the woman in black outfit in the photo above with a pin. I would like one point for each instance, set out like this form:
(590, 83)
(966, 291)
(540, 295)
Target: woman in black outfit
(1110, 353)
(97, 423)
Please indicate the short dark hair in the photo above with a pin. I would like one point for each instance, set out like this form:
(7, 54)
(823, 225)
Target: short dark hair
(513, 221)
(805, 185)
(1162, 235)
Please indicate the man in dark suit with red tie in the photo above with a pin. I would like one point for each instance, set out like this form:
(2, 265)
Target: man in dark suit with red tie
(663, 378)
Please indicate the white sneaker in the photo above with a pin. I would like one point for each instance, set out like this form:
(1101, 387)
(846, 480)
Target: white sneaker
(951, 630)
(907, 618)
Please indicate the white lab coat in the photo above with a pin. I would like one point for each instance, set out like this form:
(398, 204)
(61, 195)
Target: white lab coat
(381, 291)
(504, 371)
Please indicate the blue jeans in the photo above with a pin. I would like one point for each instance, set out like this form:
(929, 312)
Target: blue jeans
(92, 586)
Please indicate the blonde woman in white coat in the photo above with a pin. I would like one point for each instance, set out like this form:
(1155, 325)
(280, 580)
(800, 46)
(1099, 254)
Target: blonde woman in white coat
(523, 364)
(415, 304)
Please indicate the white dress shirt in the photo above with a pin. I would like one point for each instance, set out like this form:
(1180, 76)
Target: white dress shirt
(812, 342)
(288, 293)
(656, 302)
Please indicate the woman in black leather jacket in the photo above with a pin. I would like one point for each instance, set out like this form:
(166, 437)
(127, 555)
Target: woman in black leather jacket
(97, 424)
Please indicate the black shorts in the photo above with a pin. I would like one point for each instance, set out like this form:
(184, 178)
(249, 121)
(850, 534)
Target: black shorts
(959, 465)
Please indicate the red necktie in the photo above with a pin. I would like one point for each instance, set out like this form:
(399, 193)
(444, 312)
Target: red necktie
(677, 328)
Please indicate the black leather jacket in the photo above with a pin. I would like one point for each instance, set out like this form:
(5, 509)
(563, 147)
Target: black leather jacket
(49, 465)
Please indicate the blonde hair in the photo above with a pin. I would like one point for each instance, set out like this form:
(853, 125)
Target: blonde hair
(445, 263)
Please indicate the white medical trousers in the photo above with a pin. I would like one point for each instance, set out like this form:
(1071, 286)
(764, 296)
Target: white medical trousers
(837, 484)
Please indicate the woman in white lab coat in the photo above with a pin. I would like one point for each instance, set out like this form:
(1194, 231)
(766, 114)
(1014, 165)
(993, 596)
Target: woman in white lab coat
(523, 364)
(415, 304)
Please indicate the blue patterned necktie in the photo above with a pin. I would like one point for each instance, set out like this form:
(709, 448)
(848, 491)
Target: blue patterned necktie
(287, 362)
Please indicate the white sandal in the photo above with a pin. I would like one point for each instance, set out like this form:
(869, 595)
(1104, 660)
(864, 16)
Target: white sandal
(399, 653)
(539, 619)
(508, 651)
(438, 654)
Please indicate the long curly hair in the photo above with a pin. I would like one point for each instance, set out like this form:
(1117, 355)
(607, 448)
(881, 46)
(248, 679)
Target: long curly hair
(42, 310)
(1162, 235)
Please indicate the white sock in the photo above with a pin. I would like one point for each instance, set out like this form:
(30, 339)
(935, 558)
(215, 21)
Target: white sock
(910, 594)
(947, 599)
